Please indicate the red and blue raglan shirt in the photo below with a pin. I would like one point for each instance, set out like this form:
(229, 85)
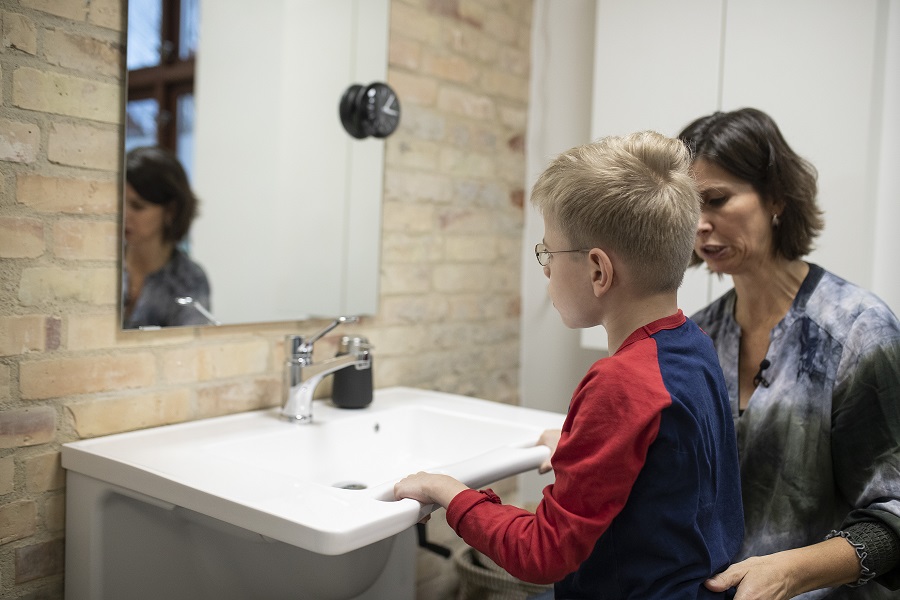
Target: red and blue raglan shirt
(647, 500)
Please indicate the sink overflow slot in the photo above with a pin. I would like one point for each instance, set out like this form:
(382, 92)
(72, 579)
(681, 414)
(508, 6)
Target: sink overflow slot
(350, 485)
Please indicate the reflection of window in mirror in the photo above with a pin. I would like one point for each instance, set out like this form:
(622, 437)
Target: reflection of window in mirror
(162, 44)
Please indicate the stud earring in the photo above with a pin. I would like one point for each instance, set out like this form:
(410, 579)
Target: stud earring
(775, 220)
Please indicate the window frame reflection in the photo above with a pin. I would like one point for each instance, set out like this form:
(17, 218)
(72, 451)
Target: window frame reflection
(162, 44)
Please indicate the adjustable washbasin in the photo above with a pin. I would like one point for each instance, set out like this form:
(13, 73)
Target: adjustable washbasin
(325, 487)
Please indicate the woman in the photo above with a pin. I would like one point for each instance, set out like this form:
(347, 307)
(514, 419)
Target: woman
(812, 364)
(159, 210)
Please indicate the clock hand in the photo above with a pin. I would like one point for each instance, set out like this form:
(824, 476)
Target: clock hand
(389, 111)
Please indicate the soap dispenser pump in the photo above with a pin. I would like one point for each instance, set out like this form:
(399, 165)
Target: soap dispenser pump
(352, 387)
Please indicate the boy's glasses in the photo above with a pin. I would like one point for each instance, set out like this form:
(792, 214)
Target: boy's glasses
(543, 255)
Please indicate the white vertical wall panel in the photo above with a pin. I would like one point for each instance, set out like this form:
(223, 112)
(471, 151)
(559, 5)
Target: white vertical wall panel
(558, 118)
(656, 66)
(886, 282)
(811, 64)
(562, 47)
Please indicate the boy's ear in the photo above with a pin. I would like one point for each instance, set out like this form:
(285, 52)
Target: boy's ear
(601, 271)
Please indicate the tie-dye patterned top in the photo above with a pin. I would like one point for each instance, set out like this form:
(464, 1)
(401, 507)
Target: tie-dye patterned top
(820, 445)
(156, 306)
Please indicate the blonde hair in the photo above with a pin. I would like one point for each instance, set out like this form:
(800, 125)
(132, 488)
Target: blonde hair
(632, 196)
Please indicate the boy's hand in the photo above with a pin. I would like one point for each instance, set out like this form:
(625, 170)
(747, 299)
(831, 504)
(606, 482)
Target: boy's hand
(549, 438)
(428, 488)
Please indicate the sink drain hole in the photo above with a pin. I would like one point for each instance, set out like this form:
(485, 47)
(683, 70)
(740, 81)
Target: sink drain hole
(350, 485)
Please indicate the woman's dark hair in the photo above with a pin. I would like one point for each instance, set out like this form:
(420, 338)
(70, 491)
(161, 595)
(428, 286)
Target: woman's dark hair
(158, 177)
(748, 144)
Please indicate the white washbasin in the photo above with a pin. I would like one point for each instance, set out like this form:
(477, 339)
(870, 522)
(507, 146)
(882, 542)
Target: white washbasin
(326, 487)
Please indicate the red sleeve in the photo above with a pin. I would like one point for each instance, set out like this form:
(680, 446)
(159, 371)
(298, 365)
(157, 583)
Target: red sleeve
(604, 443)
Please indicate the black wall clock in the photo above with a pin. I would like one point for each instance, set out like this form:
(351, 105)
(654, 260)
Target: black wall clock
(371, 110)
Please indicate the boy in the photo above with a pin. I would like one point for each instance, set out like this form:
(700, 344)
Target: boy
(646, 502)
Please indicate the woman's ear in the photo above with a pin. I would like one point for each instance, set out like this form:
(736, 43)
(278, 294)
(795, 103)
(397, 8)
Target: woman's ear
(168, 221)
(601, 271)
(775, 206)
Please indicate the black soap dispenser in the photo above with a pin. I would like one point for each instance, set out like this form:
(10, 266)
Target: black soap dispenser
(352, 387)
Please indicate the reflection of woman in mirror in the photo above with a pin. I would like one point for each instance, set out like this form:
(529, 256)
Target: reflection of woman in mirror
(159, 209)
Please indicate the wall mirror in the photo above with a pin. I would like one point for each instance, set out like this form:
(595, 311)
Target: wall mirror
(289, 223)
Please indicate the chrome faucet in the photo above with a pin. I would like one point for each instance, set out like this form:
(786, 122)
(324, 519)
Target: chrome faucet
(302, 375)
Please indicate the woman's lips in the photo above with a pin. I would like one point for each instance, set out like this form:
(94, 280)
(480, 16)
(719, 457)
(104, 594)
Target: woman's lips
(712, 251)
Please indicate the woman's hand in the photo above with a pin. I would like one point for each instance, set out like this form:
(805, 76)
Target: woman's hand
(757, 578)
(549, 438)
(787, 574)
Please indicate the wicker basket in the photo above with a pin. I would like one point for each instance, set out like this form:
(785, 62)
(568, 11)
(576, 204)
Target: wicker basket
(481, 579)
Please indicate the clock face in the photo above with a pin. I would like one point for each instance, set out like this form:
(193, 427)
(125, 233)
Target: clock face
(382, 110)
(371, 110)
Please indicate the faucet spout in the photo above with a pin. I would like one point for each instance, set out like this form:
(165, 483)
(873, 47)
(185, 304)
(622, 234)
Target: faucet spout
(303, 375)
(298, 407)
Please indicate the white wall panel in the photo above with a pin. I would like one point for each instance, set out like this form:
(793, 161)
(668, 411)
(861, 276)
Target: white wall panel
(810, 64)
(656, 66)
(886, 282)
(552, 362)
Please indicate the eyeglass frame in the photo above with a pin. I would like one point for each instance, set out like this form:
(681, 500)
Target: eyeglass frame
(549, 253)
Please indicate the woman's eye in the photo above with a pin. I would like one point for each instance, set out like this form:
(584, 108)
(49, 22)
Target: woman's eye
(718, 201)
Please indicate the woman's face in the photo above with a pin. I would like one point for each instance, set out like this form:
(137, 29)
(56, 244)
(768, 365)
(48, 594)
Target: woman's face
(144, 221)
(735, 231)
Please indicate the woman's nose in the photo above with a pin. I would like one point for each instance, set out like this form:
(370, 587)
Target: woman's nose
(704, 226)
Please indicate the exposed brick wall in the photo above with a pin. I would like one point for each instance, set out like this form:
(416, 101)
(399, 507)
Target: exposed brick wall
(448, 314)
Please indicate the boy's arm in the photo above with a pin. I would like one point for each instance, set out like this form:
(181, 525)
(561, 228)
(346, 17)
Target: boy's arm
(599, 455)
(429, 488)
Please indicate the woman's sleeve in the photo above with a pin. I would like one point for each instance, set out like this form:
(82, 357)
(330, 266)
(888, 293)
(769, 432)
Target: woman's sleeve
(866, 438)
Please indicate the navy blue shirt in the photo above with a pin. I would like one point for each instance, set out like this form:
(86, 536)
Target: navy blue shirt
(647, 501)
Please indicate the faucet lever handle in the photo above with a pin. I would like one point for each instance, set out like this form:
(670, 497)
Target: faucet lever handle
(293, 346)
(300, 345)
